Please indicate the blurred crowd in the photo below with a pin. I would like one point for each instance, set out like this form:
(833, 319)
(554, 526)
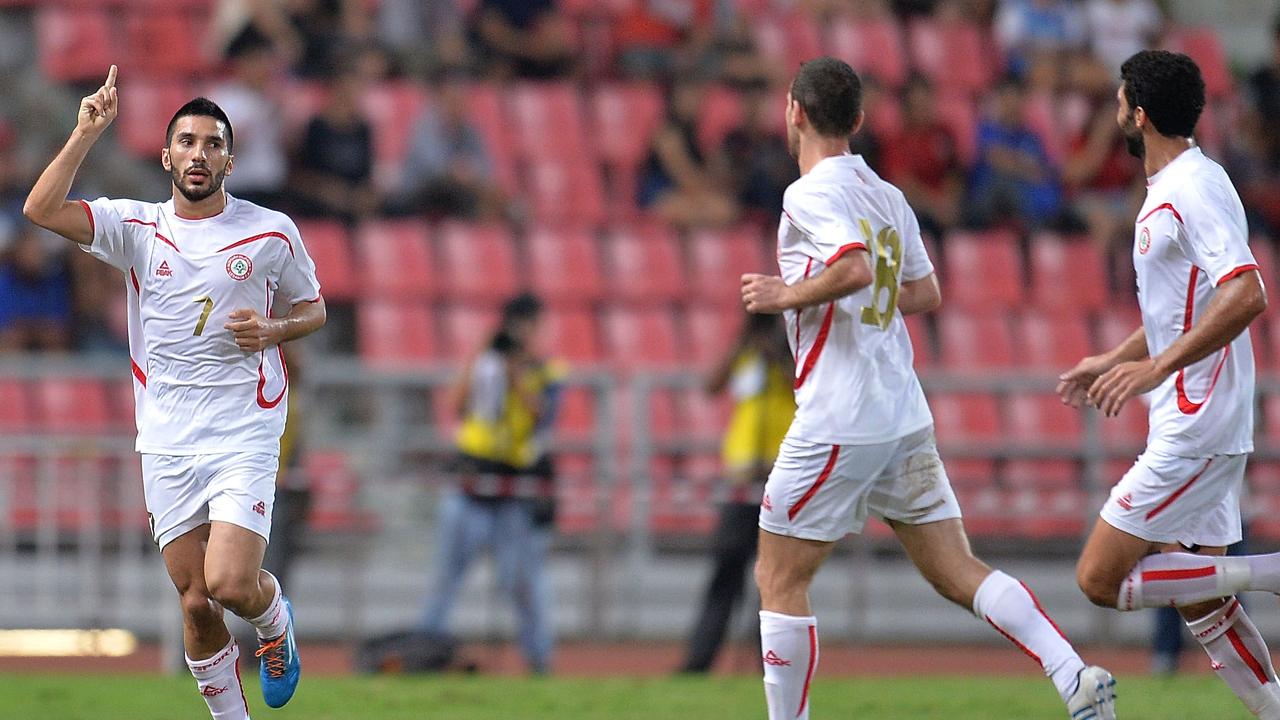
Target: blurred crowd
(1033, 145)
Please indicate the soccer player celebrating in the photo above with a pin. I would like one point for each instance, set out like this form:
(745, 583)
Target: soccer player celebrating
(202, 270)
(1164, 530)
(862, 442)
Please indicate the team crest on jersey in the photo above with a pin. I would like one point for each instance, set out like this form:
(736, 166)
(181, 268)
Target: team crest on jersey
(239, 267)
(1144, 241)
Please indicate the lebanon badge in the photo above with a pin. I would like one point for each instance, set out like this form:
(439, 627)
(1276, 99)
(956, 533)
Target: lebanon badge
(239, 267)
(1144, 242)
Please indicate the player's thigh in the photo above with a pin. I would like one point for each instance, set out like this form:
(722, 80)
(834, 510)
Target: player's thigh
(184, 560)
(176, 496)
(234, 556)
(242, 490)
(785, 564)
(940, 550)
(913, 487)
(1109, 555)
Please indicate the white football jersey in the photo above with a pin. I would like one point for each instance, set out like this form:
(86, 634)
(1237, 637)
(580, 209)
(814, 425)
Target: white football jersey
(854, 378)
(1190, 237)
(196, 392)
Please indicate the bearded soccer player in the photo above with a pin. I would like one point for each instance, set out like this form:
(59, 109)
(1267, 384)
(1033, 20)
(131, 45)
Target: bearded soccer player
(1163, 532)
(201, 273)
(862, 443)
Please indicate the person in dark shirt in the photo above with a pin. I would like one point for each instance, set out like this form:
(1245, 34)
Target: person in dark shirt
(923, 162)
(757, 154)
(333, 165)
(679, 182)
(1014, 181)
(528, 39)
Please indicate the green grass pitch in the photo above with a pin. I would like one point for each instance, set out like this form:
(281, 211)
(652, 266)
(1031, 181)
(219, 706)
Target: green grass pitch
(139, 697)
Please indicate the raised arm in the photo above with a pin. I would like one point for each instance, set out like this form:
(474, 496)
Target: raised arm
(47, 204)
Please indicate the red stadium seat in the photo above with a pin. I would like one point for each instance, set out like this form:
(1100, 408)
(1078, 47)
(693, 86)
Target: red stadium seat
(703, 415)
(1264, 252)
(548, 121)
(571, 334)
(477, 263)
(121, 397)
(142, 131)
(966, 417)
(957, 113)
(872, 46)
(395, 260)
(971, 342)
(719, 259)
(713, 330)
(564, 266)
(577, 416)
(72, 405)
(566, 191)
(625, 119)
(1068, 277)
(395, 333)
(953, 54)
(75, 44)
(1051, 343)
(327, 243)
(335, 494)
(16, 412)
(148, 45)
(921, 345)
(466, 330)
(1115, 326)
(788, 41)
(1042, 418)
(721, 112)
(644, 265)
(641, 338)
(577, 511)
(392, 109)
(983, 271)
(486, 111)
(1203, 45)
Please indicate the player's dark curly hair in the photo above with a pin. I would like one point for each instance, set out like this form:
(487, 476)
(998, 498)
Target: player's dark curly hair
(1168, 87)
(201, 107)
(831, 95)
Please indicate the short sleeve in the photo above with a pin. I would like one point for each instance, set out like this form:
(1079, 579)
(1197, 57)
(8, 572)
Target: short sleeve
(1215, 234)
(916, 264)
(115, 241)
(829, 232)
(297, 282)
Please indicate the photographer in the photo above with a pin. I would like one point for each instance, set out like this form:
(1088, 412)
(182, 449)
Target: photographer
(506, 398)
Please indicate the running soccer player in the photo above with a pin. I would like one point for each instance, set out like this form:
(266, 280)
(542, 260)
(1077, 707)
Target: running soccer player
(862, 442)
(1163, 531)
(202, 270)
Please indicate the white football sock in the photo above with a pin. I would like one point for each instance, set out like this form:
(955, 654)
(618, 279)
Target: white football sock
(790, 647)
(1186, 579)
(272, 623)
(218, 678)
(1240, 657)
(1014, 611)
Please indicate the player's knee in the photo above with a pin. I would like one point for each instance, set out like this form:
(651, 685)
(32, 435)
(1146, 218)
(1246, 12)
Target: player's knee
(777, 579)
(1095, 586)
(199, 610)
(232, 592)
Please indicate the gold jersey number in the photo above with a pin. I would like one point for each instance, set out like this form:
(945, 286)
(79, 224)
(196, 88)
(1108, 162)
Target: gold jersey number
(204, 314)
(888, 260)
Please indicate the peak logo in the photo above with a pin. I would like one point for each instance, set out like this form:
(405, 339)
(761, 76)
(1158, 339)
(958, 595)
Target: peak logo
(771, 658)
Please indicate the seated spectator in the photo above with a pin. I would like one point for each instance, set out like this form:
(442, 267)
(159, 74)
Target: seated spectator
(757, 155)
(922, 160)
(679, 182)
(333, 165)
(528, 39)
(867, 142)
(1119, 28)
(1013, 182)
(35, 294)
(1102, 179)
(656, 39)
(449, 168)
(1037, 32)
(250, 100)
(426, 36)
(1257, 169)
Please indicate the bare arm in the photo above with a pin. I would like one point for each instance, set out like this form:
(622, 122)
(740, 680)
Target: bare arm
(1235, 304)
(254, 332)
(770, 295)
(47, 204)
(919, 296)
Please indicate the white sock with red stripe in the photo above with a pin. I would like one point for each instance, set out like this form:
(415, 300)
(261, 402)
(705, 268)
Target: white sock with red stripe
(1013, 610)
(272, 623)
(1240, 657)
(790, 647)
(1186, 579)
(218, 678)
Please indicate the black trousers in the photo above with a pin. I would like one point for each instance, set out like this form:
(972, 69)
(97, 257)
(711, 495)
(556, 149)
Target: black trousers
(733, 548)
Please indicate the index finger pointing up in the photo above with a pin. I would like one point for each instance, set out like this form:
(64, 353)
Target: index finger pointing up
(111, 78)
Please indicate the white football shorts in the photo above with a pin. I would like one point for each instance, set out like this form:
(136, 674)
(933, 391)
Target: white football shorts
(183, 492)
(823, 492)
(1169, 499)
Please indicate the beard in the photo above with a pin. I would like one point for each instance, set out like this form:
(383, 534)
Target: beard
(197, 194)
(1133, 141)
(793, 142)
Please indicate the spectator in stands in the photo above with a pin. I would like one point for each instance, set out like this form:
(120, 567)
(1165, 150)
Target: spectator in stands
(427, 36)
(507, 397)
(656, 39)
(333, 165)
(35, 293)
(922, 160)
(1013, 181)
(308, 35)
(758, 372)
(868, 142)
(529, 39)
(757, 154)
(1037, 32)
(1259, 166)
(449, 169)
(1102, 179)
(679, 182)
(12, 186)
(1119, 28)
(250, 96)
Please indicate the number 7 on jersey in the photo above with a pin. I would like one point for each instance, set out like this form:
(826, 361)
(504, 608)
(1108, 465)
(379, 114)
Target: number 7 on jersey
(204, 314)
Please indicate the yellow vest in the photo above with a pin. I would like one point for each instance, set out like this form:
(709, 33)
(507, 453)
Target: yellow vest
(760, 418)
(512, 437)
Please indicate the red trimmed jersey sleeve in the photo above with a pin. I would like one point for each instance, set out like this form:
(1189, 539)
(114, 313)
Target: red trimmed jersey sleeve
(297, 281)
(825, 221)
(1216, 235)
(121, 229)
(916, 264)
